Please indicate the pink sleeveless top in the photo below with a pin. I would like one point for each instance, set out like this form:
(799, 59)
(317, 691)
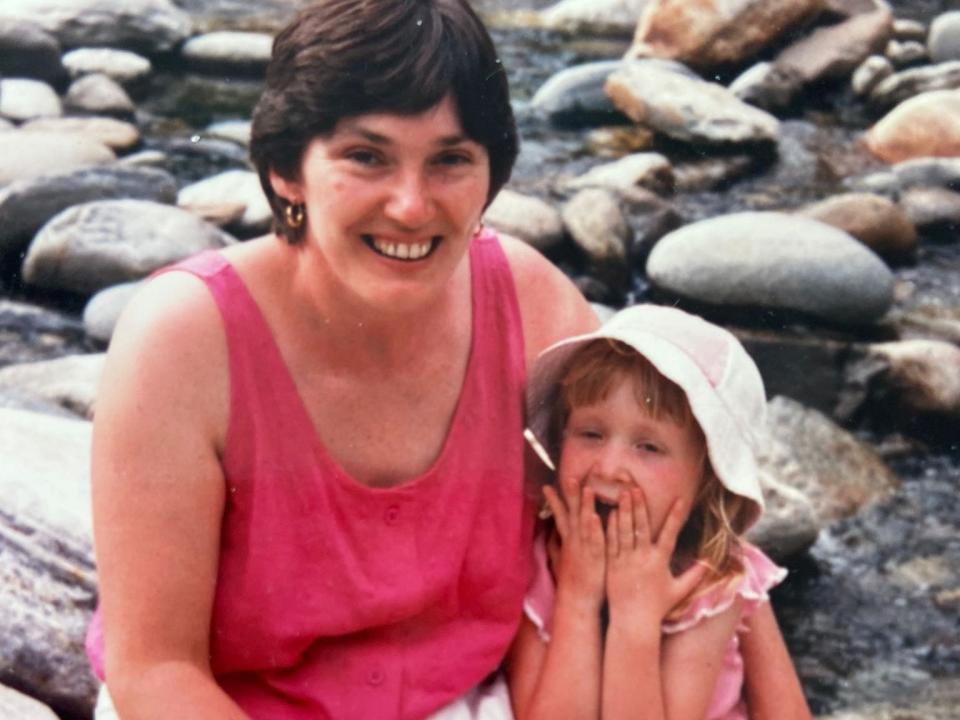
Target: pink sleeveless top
(335, 599)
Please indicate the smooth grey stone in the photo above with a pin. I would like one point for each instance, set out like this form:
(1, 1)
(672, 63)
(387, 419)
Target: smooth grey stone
(871, 71)
(602, 17)
(29, 333)
(103, 310)
(596, 223)
(231, 186)
(242, 51)
(122, 66)
(767, 86)
(70, 381)
(236, 130)
(99, 95)
(28, 154)
(22, 99)
(943, 41)
(115, 134)
(528, 218)
(15, 704)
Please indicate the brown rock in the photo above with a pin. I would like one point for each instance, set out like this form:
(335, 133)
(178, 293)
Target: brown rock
(927, 125)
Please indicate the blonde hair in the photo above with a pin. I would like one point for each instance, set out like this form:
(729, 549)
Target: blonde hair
(711, 534)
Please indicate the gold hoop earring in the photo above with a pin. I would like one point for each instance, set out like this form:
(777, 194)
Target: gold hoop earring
(294, 215)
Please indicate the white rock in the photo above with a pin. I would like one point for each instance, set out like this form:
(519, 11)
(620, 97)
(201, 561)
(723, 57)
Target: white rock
(121, 65)
(528, 218)
(232, 186)
(22, 99)
(70, 381)
(26, 155)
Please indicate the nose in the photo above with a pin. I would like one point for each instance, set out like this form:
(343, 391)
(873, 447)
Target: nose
(609, 464)
(411, 203)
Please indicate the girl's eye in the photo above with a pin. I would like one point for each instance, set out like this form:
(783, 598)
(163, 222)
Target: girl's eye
(648, 447)
(589, 434)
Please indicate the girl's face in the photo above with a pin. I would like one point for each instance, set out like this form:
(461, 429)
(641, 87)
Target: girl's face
(392, 202)
(614, 445)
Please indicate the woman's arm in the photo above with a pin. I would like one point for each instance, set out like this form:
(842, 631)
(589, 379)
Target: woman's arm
(158, 495)
(771, 684)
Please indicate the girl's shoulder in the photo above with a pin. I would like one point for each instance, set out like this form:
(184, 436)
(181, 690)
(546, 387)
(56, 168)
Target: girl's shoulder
(752, 586)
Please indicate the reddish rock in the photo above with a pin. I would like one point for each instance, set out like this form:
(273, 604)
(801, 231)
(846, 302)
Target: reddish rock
(927, 125)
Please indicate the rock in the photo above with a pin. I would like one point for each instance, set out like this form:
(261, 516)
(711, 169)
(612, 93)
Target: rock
(103, 310)
(29, 333)
(22, 99)
(767, 86)
(789, 524)
(773, 261)
(835, 51)
(121, 66)
(234, 186)
(236, 130)
(906, 84)
(25, 155)
(99, 95)
(92, 246)
(528, 218)
(906, 29)
(935, 212)
(47, 581)
(927, 171)
(70, 382)
(909, 382)
(115, 134)
(28, 51)
(874, 220)
(594, 17)
(27, 204)
(575, 97)
(924, 126)
(598, 227)
(704, 35)
(902, 54)
(686, 108)
(810, 453)
(147, 26)
(225, 50)
(943, 41)
(926, 323)
(871, 71)
(640, 170)
(650, 218)
(714, 173)
(14, 704)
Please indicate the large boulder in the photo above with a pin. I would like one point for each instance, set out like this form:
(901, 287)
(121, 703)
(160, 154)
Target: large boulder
(47, 579)
(927, 125)
(148, 26)
(25, 155)
(88, 247)
(687, 108)
(773, 261)
(26, 205)
(705, 34)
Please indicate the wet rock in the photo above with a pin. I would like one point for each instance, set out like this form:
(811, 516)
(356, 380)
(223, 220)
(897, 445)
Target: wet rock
(767, 86)
(28, 51)
(928, 171)
(835, 51)
(27, 204)
(616, 142)
(686, 108)
(528, 218)
(704, 35)
(70, 382)
(148, 26)
(927, 125)
(598, 227)
(649, 170)
(91, 246)
(874, 220)
(907, 83)
(813, 455)
(47, 581)
(902, 54)
(115, 134)
(29, 333)
(713, 173)
(122, 66)
(871, 71)
(236, 130)
(943, 41)
(234, 186)
(575, 96)
(22, 99)
(935, 212)
(773, 261)
(15, 704)
(103, 310)
(98, 94)
(237, 51)
(650, 217)
(595, 17)
(25, 155)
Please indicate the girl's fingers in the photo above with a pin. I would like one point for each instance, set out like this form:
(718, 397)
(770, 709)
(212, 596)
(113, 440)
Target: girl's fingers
(613, 536)
(589, 520)
(641, 517)
(672, 525)
(559, 510)
(570, 487)
(626, 531)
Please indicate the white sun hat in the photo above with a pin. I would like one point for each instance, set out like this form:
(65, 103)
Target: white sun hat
(721, 382)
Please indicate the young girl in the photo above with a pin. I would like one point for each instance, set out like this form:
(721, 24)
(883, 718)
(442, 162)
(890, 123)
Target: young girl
(654, 418)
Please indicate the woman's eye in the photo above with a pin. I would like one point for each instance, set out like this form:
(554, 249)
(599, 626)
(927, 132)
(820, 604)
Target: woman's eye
(367, 158)
(453, 159)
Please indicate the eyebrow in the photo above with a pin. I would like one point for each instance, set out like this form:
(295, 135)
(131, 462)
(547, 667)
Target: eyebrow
(378, 139)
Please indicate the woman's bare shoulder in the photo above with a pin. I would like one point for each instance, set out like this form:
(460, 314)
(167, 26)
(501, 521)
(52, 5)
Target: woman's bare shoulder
(551, 306)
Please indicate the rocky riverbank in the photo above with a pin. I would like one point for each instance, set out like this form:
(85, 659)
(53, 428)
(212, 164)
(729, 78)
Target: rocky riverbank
(797, 180)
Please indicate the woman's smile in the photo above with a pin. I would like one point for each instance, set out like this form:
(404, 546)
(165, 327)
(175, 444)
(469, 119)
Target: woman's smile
(403, 251)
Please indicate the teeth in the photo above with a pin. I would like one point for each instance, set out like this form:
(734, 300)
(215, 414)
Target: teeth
(403, 251)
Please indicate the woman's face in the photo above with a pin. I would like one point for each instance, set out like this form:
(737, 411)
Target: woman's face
(392, 202)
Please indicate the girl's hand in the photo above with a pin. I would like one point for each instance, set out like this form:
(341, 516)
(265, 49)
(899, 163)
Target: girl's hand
(641, 590)
(580, 562)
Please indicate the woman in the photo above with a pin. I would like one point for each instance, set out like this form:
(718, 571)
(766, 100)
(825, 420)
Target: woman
(307, 459)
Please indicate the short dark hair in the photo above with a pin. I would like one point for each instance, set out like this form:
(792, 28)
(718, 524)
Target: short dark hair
(343, 58)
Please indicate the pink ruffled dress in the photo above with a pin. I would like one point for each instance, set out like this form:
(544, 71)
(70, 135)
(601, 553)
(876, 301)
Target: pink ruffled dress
(760, 575)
